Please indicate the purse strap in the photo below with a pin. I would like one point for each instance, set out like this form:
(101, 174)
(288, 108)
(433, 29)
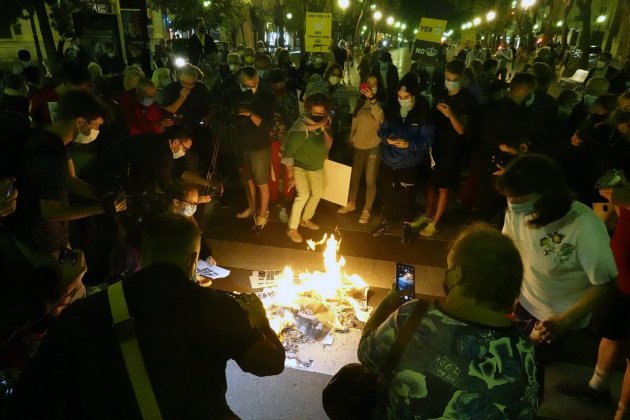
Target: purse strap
(405, 333)
(123, 324)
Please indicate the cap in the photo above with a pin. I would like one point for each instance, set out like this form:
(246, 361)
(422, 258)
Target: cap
(409, 83)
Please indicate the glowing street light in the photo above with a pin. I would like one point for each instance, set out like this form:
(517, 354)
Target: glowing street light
(364, 28)
(601, 19)
(491, 15)
(415, 31)
(397, 25)
(559, 24)
(289, 15)
(536, 26)
(403, 26)
(476, 21)
(390, 20)
(206, 3)
(527, 3)
(377, 15)
(343, 4)
(464, 26)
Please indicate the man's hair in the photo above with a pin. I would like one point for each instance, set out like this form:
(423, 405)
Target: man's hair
(144, 82)
(522, 79)
(491, 266)
(566, 97)
(606, 56)
(608, 102)
(95, 70)
(317, 99)
(489, 63)
(262, 62)
(179, 190)
(24, 55)
(79, 104)
(176, 131)
(188, 72)
(512, 133)
(248, 72)
(537, 174)
(597, 86)
(169, 237)
(542, 74)
(131, 76)
(456, 67)
(329, 70)
(74, 73)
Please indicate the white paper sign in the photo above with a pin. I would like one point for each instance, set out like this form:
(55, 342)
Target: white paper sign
(211, 271)
(336, 182)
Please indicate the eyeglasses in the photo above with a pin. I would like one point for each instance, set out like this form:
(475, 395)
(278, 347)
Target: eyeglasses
(186, 149)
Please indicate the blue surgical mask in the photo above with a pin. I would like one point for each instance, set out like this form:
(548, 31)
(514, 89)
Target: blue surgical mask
(452, 85)
(262, 73)
(148, 101)
(521, 208)
(189, 210)
(589, 100)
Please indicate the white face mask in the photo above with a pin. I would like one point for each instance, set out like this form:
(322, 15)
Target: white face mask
(318, 60)
(384, 66)
(189, 210)
(529, 100)
(452, 85)
(600, 64)
(111, 54)
(180, 153)
(25, 63)
(334, 80)
(406, 104)
(374, 90)
(521, 208)
(261, 50)
(83, 139)
(234, 68)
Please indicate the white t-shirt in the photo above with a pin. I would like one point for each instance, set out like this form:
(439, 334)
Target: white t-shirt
(561, 260)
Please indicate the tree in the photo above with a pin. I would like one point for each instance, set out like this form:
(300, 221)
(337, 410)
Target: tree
(586, 13)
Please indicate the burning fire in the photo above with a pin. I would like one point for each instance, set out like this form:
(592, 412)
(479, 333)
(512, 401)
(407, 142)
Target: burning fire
(317, 302)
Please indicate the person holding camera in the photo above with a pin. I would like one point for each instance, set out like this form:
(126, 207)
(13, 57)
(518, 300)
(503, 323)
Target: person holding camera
(304, 151)
(406, 136)
(187, 334)
(449, 367)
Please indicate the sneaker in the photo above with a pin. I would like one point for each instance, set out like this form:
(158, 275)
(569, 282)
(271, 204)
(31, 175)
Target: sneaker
(582, 391)
(365, 217)
(429, 229)
(407, 234)
(244, 214)
(420, 221)
(294, 235)
(261, 222)
(309, 225)
(382, 228)
(283, 215)
(347, 209)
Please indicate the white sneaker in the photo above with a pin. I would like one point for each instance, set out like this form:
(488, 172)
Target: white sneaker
(365, 217)
(347, 209)
(244, 214)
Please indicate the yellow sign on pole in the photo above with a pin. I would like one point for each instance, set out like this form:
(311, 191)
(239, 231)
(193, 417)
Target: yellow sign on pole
(431, 30)
(469, 37)
(318, 31)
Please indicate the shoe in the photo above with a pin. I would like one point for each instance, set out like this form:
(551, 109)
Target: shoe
(244, 214)
(365, 217)
(582, 391)
(261, 222)
(347, 209)
(309, 225)
(382, 228)
(407, 234)
(429, 229)
(294, 235)
(283, 216)
(420, 221)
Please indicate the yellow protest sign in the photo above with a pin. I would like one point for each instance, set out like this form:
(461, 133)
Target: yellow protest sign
(431, 30)
(318, 31)
(468, 37)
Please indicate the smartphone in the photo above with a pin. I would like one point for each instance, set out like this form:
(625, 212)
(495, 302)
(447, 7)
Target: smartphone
(10, 188)
(406, 281)
(67, 254)
(364, 86)
(610, 179)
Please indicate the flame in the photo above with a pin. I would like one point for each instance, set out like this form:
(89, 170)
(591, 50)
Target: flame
(330, 286)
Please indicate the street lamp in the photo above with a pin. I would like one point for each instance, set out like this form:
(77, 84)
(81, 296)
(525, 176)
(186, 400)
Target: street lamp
(390, 20)
(601, 19)
(527, 3)
(377, 15)
(415, 31)
(491, 15)
(343, 4)
(289, 15)
(403, 26)
(397, 24)
(476, 21)
(559, 24)
(206, 3)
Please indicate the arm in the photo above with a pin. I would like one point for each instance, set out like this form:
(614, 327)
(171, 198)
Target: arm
(192, 178)
(54, 211)
(377, 111)
(174, 106)
(78, 186)
(388, 306)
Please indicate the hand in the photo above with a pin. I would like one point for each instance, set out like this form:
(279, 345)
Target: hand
(291, 183)
(70, 285)
(204, 199)
(399, 143)
(167, 122)
(255, 309)
(576, 141)
(184, 92)
(499, 172)
(553, 328)
(7, 203)
(367, 93)
(619, 196)
(120, 203)
(210, 260)
(445, 109)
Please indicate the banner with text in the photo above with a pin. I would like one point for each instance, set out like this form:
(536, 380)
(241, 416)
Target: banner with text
(318, 31)
(428, 39)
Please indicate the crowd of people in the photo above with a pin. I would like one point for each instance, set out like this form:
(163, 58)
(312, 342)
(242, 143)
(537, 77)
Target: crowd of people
(103, 170)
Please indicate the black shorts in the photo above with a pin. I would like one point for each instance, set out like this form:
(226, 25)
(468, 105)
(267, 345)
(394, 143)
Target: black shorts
(611, 319)
(446, 173)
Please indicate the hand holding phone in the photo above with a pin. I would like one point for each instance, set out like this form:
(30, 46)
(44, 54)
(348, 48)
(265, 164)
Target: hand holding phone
(406, 281)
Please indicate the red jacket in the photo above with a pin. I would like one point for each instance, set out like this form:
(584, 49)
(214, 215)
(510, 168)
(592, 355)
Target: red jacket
(140, 118)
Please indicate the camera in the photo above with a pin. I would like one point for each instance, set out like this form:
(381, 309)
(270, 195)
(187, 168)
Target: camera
(67, 254)
(610, 179)
(500, 159)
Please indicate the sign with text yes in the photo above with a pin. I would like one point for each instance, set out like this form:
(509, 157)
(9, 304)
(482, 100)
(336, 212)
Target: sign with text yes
(318, 31)
(431, 30)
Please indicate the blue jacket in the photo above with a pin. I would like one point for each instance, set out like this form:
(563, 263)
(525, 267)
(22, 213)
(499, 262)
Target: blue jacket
(417, 129)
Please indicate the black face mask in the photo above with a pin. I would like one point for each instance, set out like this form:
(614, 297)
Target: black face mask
(597, 118)
(316, 118)
(202, 30)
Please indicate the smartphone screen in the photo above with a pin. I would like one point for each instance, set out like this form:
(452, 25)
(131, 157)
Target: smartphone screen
(364, 86)
(406, 280)
(10, 188)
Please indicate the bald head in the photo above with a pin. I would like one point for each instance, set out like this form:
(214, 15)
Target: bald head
(597, 86)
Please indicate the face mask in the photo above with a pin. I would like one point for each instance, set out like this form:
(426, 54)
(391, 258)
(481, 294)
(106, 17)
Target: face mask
(189, 210)
(384, 66)
(165, 81)
(318, 60)
(85, 139)
(148, 101)
(454, 85)
(406, 104)
(25, 63)
(521, 208)
(234, 68)
(374, 90)
(589, 100)
(249, 59)
(334, 80)
(316, 118)
(111, 54)
(180, 153)
(597, 118)
(262, 73)
(600, 64)
(529, 99)
(241, 52)
(261, 50)
(202, 30)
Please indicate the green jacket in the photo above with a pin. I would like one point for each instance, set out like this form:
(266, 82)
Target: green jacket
(304, 149)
